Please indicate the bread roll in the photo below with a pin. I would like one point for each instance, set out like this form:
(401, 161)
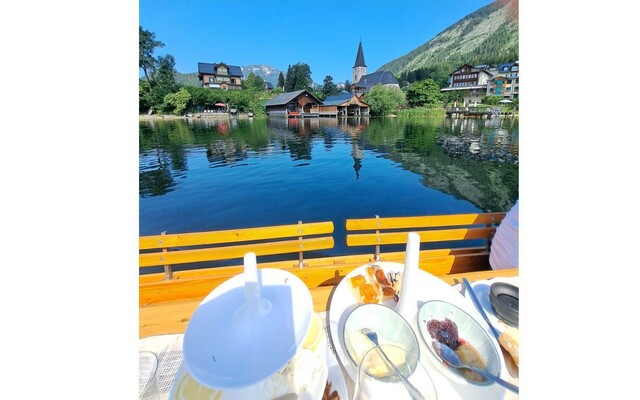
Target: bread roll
(510, 340)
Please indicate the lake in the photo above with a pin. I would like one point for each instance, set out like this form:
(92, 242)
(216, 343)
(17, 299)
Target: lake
(212, 174)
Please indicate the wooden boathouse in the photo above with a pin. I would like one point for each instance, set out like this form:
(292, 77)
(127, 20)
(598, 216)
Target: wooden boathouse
(298, 104)
(343, 104)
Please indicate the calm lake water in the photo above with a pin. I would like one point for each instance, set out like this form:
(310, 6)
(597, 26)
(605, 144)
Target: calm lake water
(198, 175)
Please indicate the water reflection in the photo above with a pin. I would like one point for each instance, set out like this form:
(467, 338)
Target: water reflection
(485, 173)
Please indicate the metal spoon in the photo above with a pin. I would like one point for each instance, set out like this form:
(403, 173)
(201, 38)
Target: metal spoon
(413, 392)
(450, 357)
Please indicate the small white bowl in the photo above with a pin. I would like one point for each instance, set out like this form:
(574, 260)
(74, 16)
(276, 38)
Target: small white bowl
(390, 326)
(468, 329)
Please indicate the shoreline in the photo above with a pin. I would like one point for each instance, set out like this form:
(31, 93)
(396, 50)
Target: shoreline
(221, 116)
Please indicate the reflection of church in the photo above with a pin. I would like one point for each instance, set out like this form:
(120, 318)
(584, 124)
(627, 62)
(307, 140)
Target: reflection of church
(355, 129)
(363, 82)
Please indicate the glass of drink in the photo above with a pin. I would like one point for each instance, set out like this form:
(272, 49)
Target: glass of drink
(377, 379)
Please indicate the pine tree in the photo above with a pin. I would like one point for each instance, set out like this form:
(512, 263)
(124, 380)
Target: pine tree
(281, 80)
(289, 82)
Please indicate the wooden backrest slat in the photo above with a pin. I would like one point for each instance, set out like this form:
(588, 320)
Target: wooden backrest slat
(234, 235)
(231, 252)
(439, 235)
(429, 221)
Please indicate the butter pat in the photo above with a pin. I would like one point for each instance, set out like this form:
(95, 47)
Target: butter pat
(377, 366)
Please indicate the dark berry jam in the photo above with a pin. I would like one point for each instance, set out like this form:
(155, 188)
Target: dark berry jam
(445, 332)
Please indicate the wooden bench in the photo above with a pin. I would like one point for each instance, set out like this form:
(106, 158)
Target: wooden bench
(167, 299)
(168, 250)
(468, 238)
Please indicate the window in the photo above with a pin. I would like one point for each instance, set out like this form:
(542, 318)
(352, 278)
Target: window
(222, 70)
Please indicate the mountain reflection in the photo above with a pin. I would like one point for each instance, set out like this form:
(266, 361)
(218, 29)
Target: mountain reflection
(486, 175)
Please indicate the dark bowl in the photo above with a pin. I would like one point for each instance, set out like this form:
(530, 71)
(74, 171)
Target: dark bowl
(504, 299)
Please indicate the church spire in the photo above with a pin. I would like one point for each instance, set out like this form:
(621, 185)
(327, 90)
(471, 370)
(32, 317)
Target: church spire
(360, 68)
(360, 57)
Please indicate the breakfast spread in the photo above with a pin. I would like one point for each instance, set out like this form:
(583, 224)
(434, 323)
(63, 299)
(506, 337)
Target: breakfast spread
(446, 332)
(374, 285)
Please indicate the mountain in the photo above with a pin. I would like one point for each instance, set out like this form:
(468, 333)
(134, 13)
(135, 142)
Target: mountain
(268, 73)
(486, 36)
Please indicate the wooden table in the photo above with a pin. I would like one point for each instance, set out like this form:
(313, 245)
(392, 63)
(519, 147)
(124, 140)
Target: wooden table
(174, 317)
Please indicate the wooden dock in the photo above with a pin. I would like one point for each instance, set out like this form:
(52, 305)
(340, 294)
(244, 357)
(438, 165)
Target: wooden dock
(473, 112)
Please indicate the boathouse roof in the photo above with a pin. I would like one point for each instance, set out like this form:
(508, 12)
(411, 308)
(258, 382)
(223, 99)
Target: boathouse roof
(339, 99)
(285, 98)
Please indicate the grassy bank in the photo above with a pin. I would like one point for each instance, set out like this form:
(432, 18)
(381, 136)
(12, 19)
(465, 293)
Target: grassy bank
(420, 112)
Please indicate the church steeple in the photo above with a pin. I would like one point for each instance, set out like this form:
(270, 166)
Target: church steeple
(359, 68)
(360, 57)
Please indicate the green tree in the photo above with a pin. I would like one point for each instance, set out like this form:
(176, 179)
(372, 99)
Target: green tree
(281, 80)
(165, 81)
(253, 82)
(453, 96)
(298, 77)
(491, 100)
(328, 87)
(289, 80)
(423, 92)
(384, 99)
(176, 102)
(198, 97)
(144, 97)
(147, 45)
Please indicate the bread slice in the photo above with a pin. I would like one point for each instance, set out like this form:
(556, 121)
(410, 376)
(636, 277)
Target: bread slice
(510, 340)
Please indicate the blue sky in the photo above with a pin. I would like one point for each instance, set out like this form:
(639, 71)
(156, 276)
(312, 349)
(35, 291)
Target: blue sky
(322, 34)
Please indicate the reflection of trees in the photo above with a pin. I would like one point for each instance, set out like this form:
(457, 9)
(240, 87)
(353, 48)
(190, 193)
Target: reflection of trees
(155, 182)
(226, 152)
(411, 143)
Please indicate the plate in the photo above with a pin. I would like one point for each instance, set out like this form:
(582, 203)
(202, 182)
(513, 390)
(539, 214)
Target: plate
(431, 288)
(231, 343)
(343, 302)
(481, 289)
(334, 375)
(468, 329)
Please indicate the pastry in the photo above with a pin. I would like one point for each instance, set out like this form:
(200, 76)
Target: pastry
(510, 340)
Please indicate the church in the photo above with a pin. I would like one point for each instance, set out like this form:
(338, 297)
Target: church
(363, 82)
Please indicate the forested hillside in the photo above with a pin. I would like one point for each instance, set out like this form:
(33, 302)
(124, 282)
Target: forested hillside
(487, 36)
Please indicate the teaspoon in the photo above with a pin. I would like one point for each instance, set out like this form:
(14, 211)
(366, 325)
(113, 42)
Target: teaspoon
(450, 357)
